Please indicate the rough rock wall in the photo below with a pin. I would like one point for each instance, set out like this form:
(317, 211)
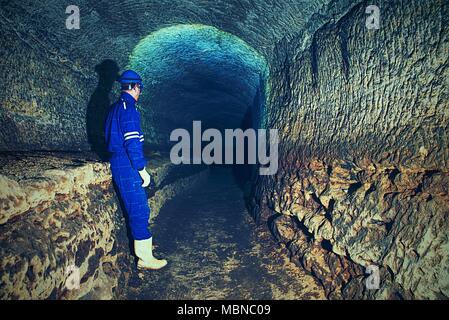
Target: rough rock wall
(62, 212)
(52, 220)
(363, 175)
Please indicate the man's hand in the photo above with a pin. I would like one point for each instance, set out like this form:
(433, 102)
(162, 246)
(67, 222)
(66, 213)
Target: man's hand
(145, 177)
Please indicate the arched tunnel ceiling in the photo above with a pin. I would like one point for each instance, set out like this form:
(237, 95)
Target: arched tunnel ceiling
(56, 70)
(196, 72)
(112, 28)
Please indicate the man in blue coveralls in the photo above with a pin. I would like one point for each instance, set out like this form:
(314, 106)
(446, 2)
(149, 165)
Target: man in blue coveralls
(124, 140)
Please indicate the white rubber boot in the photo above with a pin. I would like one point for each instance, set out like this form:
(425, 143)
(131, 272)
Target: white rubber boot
(144, 251)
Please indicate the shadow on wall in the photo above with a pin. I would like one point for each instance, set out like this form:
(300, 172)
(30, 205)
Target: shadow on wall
(245, 173)
(98, 106)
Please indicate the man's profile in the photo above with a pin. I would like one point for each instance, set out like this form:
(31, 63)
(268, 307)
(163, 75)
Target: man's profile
(124, 140)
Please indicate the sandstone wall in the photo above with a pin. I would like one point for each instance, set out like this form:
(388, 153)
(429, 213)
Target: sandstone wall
(60, 211)
(363, 177)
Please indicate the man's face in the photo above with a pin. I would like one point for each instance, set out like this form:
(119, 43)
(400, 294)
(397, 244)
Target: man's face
(137, 91)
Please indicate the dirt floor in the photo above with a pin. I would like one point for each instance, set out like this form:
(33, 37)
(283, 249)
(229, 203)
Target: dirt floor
(216, 251)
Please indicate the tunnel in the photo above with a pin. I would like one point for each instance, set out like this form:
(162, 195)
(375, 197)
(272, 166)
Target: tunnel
(197, 73)
(356, 93)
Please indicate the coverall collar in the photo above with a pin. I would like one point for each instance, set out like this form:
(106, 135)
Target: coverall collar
(127, 98)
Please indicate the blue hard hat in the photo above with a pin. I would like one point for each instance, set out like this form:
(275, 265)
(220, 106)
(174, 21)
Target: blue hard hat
(130, 76)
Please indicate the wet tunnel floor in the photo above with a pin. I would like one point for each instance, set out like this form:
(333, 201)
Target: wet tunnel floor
(215, 251)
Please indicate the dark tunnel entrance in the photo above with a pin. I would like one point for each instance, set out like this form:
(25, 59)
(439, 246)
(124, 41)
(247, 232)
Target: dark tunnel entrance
(198, 73)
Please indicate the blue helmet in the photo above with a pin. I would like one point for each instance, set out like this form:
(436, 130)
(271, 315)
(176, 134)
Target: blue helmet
(130, 76)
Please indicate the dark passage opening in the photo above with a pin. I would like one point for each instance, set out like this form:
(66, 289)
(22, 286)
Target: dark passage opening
(198, 73)
(98, 106)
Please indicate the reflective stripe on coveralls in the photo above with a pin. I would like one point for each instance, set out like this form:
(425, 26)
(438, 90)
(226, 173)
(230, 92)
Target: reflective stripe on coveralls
(124, 139)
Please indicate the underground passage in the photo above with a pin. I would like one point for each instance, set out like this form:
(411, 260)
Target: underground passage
(225, 150)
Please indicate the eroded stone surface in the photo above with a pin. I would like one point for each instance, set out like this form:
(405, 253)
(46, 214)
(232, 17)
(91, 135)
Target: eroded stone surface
(339, 216)
(363, 176)
(60, 211)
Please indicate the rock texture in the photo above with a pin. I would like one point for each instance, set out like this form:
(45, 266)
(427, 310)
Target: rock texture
(196, 72)
(57, 212)
(363, 176)
(60, 212)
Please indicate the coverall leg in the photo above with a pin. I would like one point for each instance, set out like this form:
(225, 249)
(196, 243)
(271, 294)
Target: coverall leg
(133, 196)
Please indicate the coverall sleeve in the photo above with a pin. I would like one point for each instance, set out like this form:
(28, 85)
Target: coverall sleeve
(133, 137)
